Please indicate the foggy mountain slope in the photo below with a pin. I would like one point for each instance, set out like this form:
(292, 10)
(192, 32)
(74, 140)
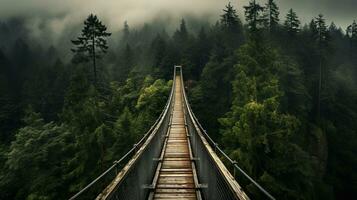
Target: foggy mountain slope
(277, 93)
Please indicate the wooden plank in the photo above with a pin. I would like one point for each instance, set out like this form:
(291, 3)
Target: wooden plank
(176, 195)
(175, 191)
(176, 180)
(177, 185)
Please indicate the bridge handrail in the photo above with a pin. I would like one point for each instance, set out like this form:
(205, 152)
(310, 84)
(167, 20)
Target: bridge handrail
(148, 145)
(136, 146)
(152, 132)
(212, 143)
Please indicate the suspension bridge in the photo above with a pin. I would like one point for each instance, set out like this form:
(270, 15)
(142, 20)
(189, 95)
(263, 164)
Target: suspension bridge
(176, 159)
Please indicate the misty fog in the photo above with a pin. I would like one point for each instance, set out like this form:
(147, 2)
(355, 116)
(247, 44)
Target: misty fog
(57, 16)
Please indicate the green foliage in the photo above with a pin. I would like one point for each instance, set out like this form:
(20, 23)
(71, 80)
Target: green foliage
(322, 35)
(232, 31)
(258, 135)
(259, 100)
(127, 63)
(296, 99)
(92, 42)
(253, 15)
(37, 160)
(292, 23)
(154, 94)
(181, 35)
(271, 15)
(126, 31)
(230, 20)
(351, 33)
(214, 92)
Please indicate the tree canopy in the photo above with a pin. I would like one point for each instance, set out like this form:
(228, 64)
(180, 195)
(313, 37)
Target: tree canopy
(278, 96)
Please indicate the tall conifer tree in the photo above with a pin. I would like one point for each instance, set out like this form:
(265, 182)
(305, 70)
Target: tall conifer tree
(351, 33)
(92, 43)
(271, 15)
(292, 23)
(126, 31)
(230, 19)
(322, 37)
(253, 15)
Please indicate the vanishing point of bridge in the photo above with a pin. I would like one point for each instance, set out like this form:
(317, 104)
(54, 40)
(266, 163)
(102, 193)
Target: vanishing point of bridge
(176, 159)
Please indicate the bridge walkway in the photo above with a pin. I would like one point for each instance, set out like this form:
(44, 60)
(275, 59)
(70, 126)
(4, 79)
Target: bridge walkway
(175, 176)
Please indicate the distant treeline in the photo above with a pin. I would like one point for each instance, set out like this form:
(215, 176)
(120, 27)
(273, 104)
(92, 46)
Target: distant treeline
(280, 97)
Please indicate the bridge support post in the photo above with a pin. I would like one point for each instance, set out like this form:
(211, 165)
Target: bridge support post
(234, 168)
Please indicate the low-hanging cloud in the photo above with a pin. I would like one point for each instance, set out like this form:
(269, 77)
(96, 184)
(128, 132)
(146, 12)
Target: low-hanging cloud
(54, 18)
(57, 15)
(113, 12)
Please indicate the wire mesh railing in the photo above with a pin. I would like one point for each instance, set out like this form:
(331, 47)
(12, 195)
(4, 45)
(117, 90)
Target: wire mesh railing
(142, 163)
(206, 173)
(134, 179)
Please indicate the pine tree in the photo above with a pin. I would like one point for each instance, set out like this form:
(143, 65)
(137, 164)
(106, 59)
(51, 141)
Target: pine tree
(332, 27)
(271, 15)
(159, 47)
(351, 34)
(292, 23)
(183, 29)
(229, 31)
(229, 19)
(352, 30)
(126, 64)
(335, 32)
(92, 42)
(313, 29)
(38, 156)
(255, 131)
(126, 31)
(181, 35)
(322, 31)
(202, 53)
(322, 37)
(253, 15)
(128, 57)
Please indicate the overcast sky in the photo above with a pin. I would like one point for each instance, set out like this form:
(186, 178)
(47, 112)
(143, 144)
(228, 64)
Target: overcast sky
(60, 13)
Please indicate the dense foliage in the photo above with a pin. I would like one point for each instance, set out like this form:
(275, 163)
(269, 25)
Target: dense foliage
(280, 98)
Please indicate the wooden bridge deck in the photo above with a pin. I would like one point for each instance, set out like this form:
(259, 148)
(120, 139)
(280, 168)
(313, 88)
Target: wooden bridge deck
(176, 174)
(174, 170)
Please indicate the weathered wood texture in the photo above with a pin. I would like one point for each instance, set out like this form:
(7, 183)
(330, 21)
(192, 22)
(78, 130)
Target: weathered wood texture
(175, 179)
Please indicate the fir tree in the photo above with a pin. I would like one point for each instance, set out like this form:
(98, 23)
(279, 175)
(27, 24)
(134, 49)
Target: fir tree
(351, 31)
(321, 30)
(230, 30)
(92, 42)
(322, 37)
(257, 134)
(159, 48)
(253, 15)
(351, 34)
(126, 31)
(292, 23)
(126, 64)
(271, 15)
(313, 29)
(332, 27)
(181, 34)
(203, 46)
(229, 19)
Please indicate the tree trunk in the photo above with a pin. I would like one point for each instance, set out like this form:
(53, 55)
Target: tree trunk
(319, 90)
(94, 61)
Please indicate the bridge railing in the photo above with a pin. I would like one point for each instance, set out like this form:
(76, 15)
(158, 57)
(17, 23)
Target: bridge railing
(216, 181)
(135, 176)
(133, 182)
(220, 184)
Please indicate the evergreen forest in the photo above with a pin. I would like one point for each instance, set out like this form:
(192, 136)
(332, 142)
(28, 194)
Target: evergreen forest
(278, 94)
